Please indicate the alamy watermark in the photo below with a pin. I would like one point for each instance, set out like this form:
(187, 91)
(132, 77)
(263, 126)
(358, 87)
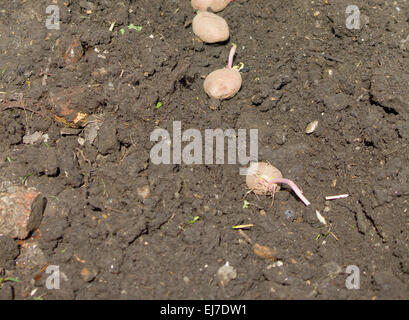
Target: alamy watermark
(353, 280)
(353, 17)
(53, 21)
(197, 151)
(53, 281)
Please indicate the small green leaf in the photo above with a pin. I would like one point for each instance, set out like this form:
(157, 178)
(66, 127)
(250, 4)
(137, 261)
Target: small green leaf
(158, 105)
(23, 180)
(9, 279)
(245, 204)
(105, 187)
(132, 26)
(194, 220)
(122, 31)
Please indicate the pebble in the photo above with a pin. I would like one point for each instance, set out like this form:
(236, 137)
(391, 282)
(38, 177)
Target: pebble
(91, 129)
(74, 52)
(311, 127)
(278, 263)
(21, 211)
(88, 275)
(69, 131)
(144, 192)
(33, 138)
(265, 252)
(31, 256)
(107, 140)
(81, 141)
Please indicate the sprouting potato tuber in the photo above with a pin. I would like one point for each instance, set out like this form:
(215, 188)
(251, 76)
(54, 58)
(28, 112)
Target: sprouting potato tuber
(210, 28)
(263, 178)
(223, 83)
(215, 5)
(259, 175)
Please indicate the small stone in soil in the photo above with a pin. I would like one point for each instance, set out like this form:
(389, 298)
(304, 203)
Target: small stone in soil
(91, 130)
(265, 252)
(311, 127)
(88, 275)
(32, 138)
(143, 192)
(31, 257)
(69, 131)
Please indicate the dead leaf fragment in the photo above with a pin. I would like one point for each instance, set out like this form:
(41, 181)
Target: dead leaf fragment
(265, 252)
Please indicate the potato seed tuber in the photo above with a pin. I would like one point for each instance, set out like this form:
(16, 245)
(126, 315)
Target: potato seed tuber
(215, 5)
(210, 28)
(259, 175)
(223, 83)
(263, 178)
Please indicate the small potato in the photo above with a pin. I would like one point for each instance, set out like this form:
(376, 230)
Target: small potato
(223, 83)
(215, 5)
(259, 176)
(210, 28)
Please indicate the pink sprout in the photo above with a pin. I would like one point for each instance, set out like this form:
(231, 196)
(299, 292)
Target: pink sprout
(231, 56)
(293, 186)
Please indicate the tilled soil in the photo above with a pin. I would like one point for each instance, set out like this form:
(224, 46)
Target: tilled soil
(120, 227)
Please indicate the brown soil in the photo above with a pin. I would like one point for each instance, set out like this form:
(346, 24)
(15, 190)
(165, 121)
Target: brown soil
(118, 226)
